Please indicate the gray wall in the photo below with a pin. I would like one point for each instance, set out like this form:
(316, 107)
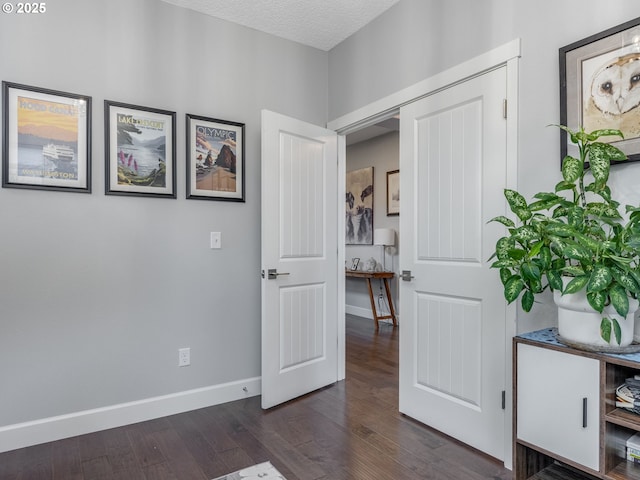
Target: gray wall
(97, 293)
(381, 153)
(417, 39)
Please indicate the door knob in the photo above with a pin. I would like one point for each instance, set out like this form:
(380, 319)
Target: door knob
(406, 275)
(273, 274)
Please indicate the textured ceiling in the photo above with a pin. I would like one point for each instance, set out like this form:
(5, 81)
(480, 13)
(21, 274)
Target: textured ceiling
(318, 23)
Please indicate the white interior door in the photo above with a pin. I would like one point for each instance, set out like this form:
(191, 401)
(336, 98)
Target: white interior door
(452, 339)
(299, 245)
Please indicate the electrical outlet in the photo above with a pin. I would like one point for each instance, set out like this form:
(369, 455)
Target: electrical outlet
(184, 357)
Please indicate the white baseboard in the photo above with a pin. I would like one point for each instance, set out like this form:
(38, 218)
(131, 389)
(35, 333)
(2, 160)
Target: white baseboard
(365, 313)
(358, 311)
(78, 423)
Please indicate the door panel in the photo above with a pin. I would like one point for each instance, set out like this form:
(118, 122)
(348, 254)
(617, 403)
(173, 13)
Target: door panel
(299, 242)
(452, 342)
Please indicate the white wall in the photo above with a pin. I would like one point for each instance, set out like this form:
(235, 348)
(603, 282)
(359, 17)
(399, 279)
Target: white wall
(381, 153)
(97, 293)
(417, 39)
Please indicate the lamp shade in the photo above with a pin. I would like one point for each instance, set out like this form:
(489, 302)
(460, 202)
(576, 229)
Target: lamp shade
(384, 236)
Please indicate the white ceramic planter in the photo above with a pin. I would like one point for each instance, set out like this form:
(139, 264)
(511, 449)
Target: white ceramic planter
(580, 323)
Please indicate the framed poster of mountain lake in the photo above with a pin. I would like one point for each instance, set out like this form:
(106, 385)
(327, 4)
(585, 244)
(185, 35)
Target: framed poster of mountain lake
(140, 145)
(46, 139)
(215, 159)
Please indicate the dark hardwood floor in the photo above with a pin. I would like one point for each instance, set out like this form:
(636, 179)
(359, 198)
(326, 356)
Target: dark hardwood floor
(351, 430)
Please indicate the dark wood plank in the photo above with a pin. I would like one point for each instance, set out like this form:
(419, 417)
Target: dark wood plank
(348, 431)
(37, 463)
(66, 460)
(11, 463)
(144, 445)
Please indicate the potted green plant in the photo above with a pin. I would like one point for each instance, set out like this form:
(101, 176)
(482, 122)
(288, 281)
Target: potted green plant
(574, 242)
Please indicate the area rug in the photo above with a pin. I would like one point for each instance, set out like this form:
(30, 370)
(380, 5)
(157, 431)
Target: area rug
(262, 471)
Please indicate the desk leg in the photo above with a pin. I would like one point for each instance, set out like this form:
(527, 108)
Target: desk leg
(391, 310)
(373, 304)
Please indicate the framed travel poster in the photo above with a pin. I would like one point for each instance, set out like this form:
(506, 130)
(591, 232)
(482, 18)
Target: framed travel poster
(140, 150)
(215, 159)
(46, 139)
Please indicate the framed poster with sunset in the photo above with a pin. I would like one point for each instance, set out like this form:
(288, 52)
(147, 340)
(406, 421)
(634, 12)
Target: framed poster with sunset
(46, 142)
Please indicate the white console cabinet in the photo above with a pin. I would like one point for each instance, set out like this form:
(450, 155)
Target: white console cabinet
(566, 424)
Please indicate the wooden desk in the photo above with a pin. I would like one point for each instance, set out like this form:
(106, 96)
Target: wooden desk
(384, 276)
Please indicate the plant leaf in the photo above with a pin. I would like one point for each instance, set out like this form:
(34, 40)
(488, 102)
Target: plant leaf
(560, 229)
(531, 271)
(588, 242)
(518, 204)
(602, 210)
(512, 288)
(525, 233)
(505, 274)
(573, 270)
(605, 132)
(600, 165)
(545, 257)
(600, 279)
(597, 300)
(564, 186)
(619, 300)
(535, 250)
(572, 169)
(617, 330)
(555, 280)
(575, 216)
(507, 222)
(546, 196)
(626, 280)
(576, 252)
(503, 245)
(516, 253)
(605, 329)
(575, 285)
(527, 301)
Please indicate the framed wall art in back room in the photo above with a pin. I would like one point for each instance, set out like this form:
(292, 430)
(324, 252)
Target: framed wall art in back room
(215, 159)
(140, 150)
(359, 207)
(46, 139)
(393, 193)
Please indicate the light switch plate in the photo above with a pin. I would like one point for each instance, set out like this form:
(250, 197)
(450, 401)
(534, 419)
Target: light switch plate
(216, 240)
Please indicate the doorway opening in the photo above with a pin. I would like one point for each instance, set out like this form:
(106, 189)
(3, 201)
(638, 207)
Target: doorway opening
(372, 220)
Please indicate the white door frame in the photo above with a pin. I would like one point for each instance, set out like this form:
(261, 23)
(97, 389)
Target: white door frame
(504, 55)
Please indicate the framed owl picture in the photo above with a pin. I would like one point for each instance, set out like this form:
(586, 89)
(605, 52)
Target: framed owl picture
(600, 87)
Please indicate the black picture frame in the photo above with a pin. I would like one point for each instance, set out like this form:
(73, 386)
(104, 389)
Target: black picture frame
(46, 141)
(393, 193)
(144, 165)
(584, 86)
(222, 177)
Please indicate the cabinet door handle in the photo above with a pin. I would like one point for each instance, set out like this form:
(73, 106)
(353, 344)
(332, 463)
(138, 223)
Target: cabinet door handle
(584, 412)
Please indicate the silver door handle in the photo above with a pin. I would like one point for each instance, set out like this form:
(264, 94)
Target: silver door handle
(273, 274)
(406, 275)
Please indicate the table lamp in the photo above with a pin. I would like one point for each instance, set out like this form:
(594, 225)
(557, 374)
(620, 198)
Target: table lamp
(386, 238)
